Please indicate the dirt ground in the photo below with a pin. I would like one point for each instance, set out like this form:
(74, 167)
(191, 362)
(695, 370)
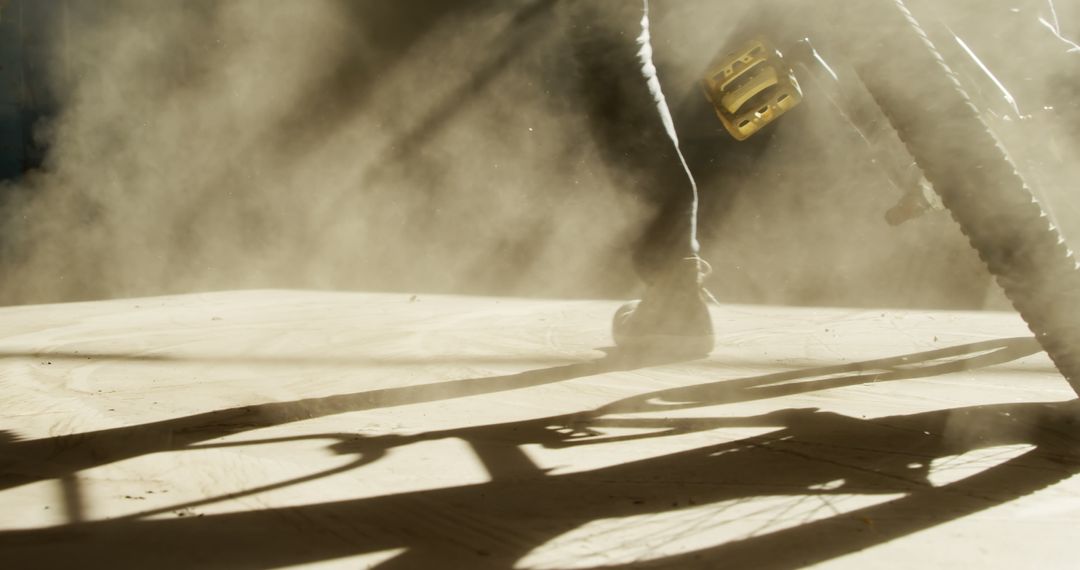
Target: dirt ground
(257, 429)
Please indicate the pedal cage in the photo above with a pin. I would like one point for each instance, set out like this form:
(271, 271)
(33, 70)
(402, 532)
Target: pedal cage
(751, 87)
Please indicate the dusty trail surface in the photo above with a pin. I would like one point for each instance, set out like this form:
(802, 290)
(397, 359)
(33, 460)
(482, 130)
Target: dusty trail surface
(256, 429)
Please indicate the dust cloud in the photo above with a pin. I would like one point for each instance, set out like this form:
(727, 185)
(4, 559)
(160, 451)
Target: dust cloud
(421, 147)
(322, 144)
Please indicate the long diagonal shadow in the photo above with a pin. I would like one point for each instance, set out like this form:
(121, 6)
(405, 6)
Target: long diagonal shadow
(919, 365)
(497, 524)
(23, 462)
(520, 493)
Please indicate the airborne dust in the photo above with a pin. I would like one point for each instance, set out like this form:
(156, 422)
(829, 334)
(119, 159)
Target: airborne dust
(441, 147)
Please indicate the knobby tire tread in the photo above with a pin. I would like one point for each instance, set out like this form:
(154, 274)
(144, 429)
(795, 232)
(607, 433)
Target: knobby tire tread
(975, 177)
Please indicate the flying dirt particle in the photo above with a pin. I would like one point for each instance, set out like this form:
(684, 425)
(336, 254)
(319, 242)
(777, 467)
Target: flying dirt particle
(414, 299)
(215, 318)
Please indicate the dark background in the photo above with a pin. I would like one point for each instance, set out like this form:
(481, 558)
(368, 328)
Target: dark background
(450, 147)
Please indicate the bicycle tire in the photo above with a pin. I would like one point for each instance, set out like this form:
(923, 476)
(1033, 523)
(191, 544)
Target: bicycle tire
(978, 183)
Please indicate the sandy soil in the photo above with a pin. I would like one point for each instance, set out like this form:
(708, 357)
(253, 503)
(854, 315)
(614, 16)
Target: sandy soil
(256, 429)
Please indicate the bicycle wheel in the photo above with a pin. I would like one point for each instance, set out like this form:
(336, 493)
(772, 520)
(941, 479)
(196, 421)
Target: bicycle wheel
(977, 181)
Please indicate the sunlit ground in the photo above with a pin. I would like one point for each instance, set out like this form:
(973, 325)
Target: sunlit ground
(277, 428)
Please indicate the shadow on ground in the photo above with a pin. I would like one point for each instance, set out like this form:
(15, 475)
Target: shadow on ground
(523, 507)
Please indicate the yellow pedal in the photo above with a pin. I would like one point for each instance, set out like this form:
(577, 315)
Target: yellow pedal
(750, 88)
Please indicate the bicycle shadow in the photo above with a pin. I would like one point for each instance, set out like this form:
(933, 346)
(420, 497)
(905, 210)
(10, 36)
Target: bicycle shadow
(26, 461)
(523, 507)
